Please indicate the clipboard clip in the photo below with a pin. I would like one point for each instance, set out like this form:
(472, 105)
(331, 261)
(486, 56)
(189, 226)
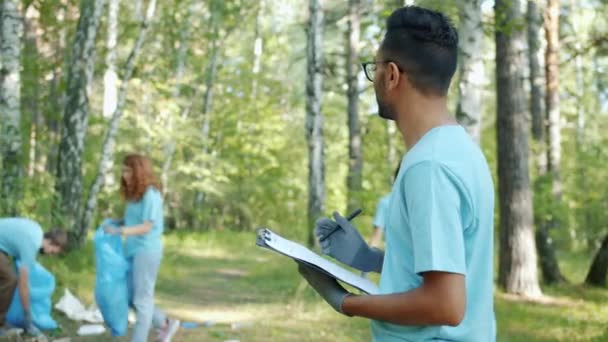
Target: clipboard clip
(263, 237)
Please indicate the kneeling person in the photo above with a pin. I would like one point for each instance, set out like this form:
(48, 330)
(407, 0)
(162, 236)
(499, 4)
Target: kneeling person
(22, 239)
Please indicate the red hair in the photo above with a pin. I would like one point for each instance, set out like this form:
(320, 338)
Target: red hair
(142, 177)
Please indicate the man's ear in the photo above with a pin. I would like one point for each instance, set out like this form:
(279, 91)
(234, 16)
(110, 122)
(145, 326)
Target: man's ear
(393, 75)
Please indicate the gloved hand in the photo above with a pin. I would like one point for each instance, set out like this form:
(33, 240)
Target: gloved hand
(346, 244)
(326, 286)
(29, 326)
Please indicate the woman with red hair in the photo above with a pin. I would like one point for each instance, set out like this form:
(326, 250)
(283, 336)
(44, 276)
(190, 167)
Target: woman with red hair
(142, 226)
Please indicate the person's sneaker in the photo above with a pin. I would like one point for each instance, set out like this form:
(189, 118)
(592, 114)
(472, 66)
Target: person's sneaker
(166, 333)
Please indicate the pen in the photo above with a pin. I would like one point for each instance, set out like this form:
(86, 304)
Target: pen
(349, 218)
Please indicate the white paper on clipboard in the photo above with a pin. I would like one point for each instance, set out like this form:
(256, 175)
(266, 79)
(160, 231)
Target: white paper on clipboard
(268, 239)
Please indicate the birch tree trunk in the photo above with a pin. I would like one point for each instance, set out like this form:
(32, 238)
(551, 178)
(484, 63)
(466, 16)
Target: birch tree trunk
(517, 260)
(138, 10)
(208, 97)
(552, 94)
(581, 116)
(401, 3)
(11, 32)
(470, 87)
(110, 78)
(546, 252)
(56, 94)
(392, 157)
(581, 110)
(546, 248)
(76, 114)
(314, 115)
(30, 98)
(258, 46)
(355, 155)
(534, 22)
(107, 150)
(536, 62)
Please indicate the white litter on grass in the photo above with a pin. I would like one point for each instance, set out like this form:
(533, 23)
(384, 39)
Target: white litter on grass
(75, 310)
(63, 339)
(91, 329)
(240, 325)
(131, 318)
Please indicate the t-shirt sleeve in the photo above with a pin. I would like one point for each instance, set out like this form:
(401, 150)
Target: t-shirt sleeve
(433, 201)
(28, 259)
(29, 242)
(152, 205)
(380, 216)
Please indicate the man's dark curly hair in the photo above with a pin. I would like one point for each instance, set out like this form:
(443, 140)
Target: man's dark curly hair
(423, 43)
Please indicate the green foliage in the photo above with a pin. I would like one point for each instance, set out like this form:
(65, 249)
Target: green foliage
(589, 204)
(505, 22)
(546, 207)
(37, 200)
(252, 168)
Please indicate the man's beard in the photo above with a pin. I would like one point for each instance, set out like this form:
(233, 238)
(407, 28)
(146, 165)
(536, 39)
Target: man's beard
(41, 251)
(385, 111)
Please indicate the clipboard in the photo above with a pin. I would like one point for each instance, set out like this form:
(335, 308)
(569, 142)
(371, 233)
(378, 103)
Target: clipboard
(266, 238)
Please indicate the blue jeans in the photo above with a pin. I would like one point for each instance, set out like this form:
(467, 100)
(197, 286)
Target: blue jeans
(141, 280)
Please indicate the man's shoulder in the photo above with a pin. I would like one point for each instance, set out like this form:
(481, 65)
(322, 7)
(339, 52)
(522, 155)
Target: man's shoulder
(20, 224)
(456, 159)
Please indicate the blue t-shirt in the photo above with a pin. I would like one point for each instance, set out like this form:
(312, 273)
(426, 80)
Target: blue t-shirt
(441, 218)
(148, 208)
(382, 212)
(21, 238)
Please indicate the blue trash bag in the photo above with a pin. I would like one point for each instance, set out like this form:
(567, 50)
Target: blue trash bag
(111, 293)
(42, 285)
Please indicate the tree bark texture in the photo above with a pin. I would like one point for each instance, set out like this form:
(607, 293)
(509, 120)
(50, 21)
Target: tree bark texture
(535, 62)
(517, 259)
(314, 115)
(75, 116)
(355, 145)
(552, 103)
(471, 68)
(11, 32)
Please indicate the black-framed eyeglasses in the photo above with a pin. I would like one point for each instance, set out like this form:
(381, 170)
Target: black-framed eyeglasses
(369, 68)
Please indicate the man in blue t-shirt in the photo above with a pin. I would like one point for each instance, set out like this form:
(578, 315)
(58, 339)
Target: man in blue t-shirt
(436, 275)
(22, 240)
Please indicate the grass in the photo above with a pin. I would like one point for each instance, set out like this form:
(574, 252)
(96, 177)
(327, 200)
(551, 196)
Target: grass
(571, 312)
(246, 293)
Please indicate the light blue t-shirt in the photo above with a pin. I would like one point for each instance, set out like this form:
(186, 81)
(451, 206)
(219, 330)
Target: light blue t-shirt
(382, 212)
(441, 218)
(21, 238)
(148, 208)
